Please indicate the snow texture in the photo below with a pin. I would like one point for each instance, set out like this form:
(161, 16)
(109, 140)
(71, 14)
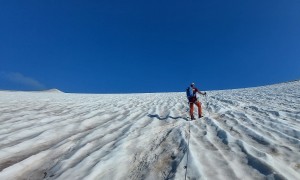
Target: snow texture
(248, 133)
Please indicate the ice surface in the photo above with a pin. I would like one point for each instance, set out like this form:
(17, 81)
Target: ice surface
(251, 133)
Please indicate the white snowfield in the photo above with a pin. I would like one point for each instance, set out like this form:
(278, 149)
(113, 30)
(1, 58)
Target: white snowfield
(245, 134)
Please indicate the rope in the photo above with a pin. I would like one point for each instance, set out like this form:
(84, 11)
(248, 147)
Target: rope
(188, 150)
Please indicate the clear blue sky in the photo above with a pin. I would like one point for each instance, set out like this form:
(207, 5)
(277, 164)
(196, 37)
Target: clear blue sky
(118, 46)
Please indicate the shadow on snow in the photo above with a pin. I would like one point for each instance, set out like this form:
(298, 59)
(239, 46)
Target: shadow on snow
(166, 117)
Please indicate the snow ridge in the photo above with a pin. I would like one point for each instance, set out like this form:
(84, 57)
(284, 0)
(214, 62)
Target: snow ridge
(249, 133)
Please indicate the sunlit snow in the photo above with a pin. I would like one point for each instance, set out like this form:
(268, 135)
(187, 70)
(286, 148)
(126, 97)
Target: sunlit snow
(251, 133)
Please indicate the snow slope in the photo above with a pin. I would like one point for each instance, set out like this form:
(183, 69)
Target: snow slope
(246, 134)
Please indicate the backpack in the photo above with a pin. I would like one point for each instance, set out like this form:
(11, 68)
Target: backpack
(189, 92)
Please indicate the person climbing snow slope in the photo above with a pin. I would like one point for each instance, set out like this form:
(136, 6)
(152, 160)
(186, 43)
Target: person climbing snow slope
(191, 93)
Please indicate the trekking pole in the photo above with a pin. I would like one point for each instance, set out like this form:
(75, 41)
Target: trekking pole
(206, 103)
